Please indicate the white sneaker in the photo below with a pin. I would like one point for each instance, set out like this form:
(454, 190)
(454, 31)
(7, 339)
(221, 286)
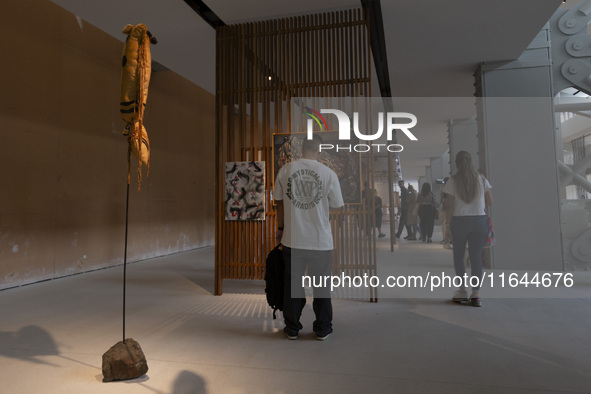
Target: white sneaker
(460, 295)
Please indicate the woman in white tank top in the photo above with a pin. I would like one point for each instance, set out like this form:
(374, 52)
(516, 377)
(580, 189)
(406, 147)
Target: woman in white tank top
(468, 195)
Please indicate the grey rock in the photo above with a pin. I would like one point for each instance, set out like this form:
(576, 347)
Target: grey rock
(124, 361)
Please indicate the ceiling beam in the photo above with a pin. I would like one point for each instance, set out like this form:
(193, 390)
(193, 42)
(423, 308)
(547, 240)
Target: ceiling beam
(205, 12)
(377, 40)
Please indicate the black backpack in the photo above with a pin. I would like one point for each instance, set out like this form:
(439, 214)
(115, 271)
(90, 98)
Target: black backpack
(274, 282)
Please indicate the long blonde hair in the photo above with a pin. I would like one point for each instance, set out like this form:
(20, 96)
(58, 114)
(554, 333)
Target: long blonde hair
(465, 179)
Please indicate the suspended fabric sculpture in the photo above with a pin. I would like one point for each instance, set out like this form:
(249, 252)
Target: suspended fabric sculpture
(135, 79)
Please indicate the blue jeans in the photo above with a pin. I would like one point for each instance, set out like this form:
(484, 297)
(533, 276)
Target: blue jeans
(473, 231)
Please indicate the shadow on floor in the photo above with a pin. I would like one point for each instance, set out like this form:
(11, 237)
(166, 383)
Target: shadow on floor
(27, 344)
(189, 383)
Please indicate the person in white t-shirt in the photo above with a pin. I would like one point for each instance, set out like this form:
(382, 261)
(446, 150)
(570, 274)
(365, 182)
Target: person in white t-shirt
(305, 192)
(468, 194)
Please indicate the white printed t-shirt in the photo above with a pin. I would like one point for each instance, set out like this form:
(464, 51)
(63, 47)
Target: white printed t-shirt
(308, 190)
(476, 207)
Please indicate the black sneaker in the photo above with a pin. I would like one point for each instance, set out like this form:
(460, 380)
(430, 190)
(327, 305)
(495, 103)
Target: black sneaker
(290, 334)
(322, 337)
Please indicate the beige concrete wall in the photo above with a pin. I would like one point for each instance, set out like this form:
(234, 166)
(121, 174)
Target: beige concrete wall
(63, 160)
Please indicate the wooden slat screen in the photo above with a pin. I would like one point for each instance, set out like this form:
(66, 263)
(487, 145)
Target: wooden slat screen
(261, 66)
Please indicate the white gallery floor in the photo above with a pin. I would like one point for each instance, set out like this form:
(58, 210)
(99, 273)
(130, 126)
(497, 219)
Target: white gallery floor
(53, 335)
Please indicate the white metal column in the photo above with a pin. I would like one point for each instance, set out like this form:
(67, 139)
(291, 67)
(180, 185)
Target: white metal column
(517, 151)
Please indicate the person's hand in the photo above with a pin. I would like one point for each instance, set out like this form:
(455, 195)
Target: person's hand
(279, 235)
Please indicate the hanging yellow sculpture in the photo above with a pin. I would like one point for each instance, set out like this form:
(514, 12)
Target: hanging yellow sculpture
(135, 79)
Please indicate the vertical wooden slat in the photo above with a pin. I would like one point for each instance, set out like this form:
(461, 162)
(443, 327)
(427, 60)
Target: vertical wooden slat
(341, 54)
(324, 37)
(261, 101)
(365, 44)
(348, 44)
(333, 54)
(253, 87)
(355, 48)
(220, 59)
(315, 36)
(233, 64)
(296, 58)
(301, 53)
(245, 132)
(313, 79)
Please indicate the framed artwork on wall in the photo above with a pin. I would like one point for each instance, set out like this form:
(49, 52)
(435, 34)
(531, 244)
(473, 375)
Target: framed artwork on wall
(347, 165)
(245, 190)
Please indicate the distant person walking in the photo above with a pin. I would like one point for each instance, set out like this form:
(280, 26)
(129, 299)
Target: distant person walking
(443, 204)
(379, 214)
(468, 195)
(403, 209)
(426, 202)
(412, 218)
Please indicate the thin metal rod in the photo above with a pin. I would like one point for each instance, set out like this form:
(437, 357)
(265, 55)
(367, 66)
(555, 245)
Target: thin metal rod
(125, 257)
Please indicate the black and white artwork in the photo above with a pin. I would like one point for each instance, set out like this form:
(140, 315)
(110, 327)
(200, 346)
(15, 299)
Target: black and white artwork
(245, 190)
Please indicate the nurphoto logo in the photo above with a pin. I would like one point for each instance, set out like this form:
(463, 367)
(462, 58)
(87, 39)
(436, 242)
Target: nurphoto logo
(344, 122)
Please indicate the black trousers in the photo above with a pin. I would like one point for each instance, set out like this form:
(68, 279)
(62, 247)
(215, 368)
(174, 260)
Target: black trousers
(402, 224)
(427, 218)
(318, 263)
